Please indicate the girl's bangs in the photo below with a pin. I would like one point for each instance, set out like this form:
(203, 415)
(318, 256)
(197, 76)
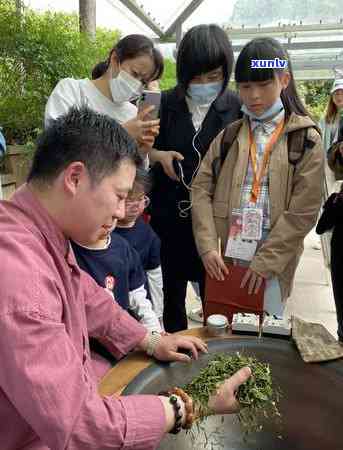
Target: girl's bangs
(247, 73)
(259, 49)
(206, 61)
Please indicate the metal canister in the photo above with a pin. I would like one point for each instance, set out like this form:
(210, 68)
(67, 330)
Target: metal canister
(217, 325)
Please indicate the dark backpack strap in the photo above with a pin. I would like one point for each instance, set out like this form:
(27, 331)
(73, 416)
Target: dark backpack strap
(228, 138)
(297, 144)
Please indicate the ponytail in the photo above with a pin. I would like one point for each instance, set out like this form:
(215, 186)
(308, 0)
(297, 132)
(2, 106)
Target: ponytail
(99, 69)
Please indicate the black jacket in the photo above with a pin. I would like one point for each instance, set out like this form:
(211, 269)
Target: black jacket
(176, 133)
(332, 215)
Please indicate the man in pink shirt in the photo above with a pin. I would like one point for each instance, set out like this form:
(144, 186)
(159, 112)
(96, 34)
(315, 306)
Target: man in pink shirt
(83, 168)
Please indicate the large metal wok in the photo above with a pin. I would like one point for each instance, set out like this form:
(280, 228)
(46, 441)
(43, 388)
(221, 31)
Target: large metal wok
(311, 406)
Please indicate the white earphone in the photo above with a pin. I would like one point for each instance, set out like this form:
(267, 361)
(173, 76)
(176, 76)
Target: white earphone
(183, 210)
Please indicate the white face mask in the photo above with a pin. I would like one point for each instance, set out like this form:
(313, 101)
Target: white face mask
(124, 87)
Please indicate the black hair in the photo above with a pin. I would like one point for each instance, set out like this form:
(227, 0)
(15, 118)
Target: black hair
(130, 47)
(135, 45)
(96, 140)
(99, 69)
(262, 49)
(143, 181)
(203, 49)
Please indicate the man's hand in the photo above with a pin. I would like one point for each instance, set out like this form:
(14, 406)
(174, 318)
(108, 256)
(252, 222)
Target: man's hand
(224, 401)
(253, 280)
(165, 158)
(214, 265)
(169, 345)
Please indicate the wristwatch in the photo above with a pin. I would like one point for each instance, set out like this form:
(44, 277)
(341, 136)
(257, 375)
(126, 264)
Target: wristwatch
(154, 339)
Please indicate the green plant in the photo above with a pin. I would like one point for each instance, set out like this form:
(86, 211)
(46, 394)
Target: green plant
(36, 51)
(169, 75)
(316, 96)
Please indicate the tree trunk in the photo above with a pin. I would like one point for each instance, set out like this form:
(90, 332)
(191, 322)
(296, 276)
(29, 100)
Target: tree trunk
(19, 7)
(87, 17)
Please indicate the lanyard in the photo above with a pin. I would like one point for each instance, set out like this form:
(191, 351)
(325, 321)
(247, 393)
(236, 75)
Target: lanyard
(258, 175)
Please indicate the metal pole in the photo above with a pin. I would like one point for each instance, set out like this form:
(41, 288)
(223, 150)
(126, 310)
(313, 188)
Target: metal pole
(178, 34)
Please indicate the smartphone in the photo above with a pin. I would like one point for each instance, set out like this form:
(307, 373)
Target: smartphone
(149, 98)
(178, 169)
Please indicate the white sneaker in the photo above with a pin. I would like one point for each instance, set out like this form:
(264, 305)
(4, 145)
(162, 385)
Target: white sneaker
(196, 314)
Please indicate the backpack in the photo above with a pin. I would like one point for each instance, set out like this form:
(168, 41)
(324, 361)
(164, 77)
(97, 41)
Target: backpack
(297, 144)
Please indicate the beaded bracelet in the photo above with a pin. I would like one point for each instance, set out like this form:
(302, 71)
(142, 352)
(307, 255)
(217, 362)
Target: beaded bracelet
(189, 407)
(173, 400)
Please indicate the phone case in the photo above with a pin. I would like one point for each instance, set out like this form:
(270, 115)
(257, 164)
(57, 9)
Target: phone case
(151, 98)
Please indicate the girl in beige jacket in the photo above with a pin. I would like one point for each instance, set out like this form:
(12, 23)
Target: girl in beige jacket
(271, 185)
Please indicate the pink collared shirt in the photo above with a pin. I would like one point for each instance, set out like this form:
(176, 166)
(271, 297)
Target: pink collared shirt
(48, 307)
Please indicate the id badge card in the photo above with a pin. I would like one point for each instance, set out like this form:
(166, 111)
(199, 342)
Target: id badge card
(252, 224)
(237, 247)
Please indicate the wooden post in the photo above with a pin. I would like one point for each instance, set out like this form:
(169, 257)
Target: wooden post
(87, 17)
(18, 163)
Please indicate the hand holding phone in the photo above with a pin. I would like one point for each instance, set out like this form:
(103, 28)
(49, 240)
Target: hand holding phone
(178, 168)
(150, 98)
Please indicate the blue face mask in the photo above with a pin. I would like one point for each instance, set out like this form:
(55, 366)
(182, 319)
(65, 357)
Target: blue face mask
(204, 94)
(269, 114)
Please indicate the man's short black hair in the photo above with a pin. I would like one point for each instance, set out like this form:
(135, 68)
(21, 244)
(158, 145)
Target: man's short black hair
(96, 140)
(203, 49)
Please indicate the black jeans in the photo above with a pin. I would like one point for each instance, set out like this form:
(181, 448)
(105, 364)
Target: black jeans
(175, 290)
(337, 275)
(180, 263)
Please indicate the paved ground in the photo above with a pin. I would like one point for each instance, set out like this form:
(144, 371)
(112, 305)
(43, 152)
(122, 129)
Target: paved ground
(312, 297)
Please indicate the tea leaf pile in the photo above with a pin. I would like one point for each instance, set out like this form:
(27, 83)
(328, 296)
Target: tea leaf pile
(257, 397)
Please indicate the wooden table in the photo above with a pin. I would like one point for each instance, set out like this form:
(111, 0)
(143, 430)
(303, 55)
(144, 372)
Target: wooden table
(117, 378)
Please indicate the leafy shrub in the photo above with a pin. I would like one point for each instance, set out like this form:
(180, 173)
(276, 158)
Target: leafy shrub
(36, 51)
(316, 96)
(168, 79)
(39, 49)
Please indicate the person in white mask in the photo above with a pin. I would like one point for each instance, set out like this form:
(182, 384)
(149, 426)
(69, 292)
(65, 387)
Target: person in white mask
(132, 64)
(264, 196)
(191, 116)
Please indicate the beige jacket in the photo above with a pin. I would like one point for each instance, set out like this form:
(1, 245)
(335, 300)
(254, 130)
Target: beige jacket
(295, 198)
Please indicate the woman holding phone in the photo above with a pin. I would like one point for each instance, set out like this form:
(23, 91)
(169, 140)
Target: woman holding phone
(191, 116)
(132, 64)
